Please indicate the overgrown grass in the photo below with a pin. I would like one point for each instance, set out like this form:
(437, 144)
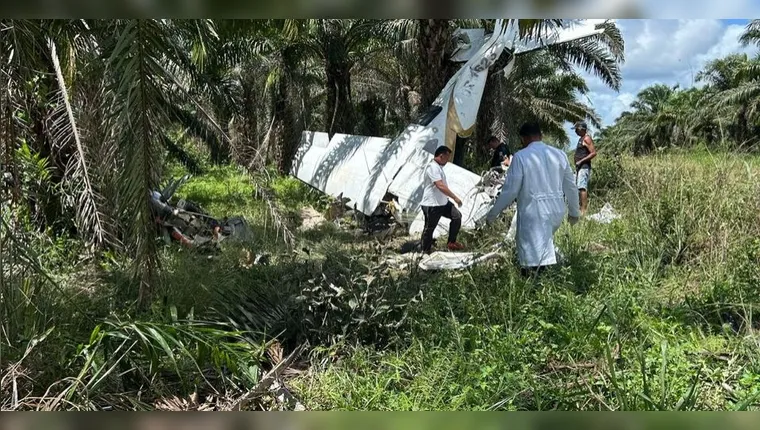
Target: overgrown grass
(653, 311)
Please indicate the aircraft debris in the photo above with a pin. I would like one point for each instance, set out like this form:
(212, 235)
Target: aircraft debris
(189, 224)
(366, 170)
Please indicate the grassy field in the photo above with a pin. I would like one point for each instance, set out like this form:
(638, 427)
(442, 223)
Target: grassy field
(653, 311)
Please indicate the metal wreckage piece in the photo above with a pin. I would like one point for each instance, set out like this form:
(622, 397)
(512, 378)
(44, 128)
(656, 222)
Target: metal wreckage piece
(382, 178)
(190, 225)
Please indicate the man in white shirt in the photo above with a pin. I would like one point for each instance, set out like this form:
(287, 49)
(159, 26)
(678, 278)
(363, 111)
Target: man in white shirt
(435, 203)
(540, 178)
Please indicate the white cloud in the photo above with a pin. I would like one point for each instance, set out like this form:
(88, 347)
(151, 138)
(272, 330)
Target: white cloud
(664, 51)
(699, 8)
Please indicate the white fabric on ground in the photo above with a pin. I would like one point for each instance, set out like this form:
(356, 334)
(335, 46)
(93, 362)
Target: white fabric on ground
(606, 215)
(453, 260)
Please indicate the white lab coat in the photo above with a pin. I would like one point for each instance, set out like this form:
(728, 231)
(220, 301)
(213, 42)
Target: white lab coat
(540, 178)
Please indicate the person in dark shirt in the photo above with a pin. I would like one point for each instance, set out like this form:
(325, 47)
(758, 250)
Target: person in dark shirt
(584, 153)
(502, 156)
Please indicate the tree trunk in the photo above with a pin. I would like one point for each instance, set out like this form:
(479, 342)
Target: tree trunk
(285, 137)
(250, 126)
(487, 113)
(370, 112)
(8, 136)
(339, 112)
(49, 211)
(220, 149)
(741, 126)
(460, 151)
(434, 70)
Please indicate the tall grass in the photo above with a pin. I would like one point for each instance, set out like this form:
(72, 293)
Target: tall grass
(651, 312)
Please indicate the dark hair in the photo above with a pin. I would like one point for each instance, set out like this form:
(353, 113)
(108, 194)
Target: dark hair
(491, 139)
(442, 150)
(530, 129)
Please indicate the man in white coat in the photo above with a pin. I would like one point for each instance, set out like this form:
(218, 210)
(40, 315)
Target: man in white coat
(540, 178)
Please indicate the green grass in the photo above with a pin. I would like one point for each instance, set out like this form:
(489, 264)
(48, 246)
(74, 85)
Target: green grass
(653, 311)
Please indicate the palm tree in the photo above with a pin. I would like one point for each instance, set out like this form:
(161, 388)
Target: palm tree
(145, 63)
(661, 116)
(428, 41)
(33, 106)
(339, 44)
(733, 93)
(120, 78)
(537, 91)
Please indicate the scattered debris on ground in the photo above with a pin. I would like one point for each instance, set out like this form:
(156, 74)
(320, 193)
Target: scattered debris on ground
(454, 260)
(248, 260)
(606, 215)
(384, 223)
(598, 247)
(440, 260)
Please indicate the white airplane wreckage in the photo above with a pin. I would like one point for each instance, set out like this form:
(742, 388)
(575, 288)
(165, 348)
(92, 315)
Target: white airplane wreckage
(367, 173)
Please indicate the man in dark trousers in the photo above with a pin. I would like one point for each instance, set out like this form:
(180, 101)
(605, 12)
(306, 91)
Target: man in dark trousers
(502, 156)
(584, 153)
(435, 202)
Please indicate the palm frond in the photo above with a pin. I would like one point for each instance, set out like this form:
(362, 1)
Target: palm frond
(742, 94)
(590, 55)
(89, 218)
(136, 52)
(751, 35)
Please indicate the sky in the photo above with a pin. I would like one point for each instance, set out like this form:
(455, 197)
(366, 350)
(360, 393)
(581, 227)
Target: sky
(669, 51)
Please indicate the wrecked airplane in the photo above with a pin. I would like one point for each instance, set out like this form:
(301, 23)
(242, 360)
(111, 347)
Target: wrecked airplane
(371, 171)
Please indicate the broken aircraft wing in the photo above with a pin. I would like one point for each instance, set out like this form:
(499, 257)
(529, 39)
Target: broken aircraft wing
(360, 168)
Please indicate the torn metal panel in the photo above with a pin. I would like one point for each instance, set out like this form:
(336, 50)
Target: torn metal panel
(461, 96)
(467, 42)
(408, 184)
(360, 170)
(311, 149)
(442, 260)
(606, 215)
(468, 87)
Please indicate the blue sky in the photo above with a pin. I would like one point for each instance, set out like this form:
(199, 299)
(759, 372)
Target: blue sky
(669, 51)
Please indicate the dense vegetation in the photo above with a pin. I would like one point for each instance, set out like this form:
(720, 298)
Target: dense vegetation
(652, 311)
